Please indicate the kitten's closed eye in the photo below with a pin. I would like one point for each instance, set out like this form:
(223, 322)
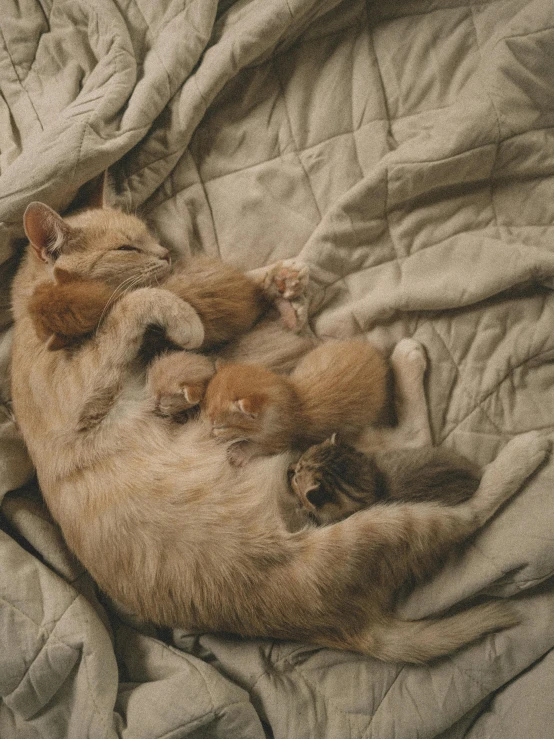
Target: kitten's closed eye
(127, 247)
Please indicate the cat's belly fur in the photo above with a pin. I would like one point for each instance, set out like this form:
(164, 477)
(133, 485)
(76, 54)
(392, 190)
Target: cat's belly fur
(163, 510)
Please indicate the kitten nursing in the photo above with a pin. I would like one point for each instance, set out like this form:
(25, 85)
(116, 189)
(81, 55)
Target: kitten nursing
(152, 507)
(333, 480)
(337, 386)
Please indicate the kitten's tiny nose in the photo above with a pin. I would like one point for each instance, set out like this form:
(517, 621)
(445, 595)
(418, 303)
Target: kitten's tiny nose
(166, 256)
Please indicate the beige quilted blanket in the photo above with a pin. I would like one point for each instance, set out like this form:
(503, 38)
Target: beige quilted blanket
(405, 149)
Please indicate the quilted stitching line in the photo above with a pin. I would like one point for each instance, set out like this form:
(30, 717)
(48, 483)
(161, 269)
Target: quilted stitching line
(54, 637)
(388, 118)
(496, 142)
(208, 204)
(247, 167)
(15, 608)
(190, 663)
(19, 80)
(336, 136)
(148, 33)
(443, 8)
(497, 386)
(296, 150)
(465, 393)
(520, 584)
(497, 115)
(395, 680)
(314, 686)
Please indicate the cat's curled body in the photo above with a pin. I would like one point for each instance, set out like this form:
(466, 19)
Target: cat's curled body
(173, 532)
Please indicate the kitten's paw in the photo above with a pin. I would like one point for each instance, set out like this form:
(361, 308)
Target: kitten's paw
(240, 453)
(410, 353)
(178, 381)
(175, 403)
(286, 284)
(287, 279)
(291, 282)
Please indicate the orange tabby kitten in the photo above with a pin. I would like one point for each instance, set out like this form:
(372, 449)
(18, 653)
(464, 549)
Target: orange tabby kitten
(172, 531)
(339, 386)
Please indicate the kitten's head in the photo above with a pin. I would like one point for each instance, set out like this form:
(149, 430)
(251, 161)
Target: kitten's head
(243, 401)
(101, 244)
(332, 480)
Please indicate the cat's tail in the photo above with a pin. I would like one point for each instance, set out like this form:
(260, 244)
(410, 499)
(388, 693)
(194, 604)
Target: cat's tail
(422, 641)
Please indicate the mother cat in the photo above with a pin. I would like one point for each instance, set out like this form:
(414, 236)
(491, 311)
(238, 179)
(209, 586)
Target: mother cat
(172, 531)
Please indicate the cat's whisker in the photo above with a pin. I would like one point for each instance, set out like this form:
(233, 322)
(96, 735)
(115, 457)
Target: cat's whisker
(125, 286)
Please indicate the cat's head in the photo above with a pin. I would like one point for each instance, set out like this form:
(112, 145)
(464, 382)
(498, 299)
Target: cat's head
(326, 481)
(245, 401)
(101, 244)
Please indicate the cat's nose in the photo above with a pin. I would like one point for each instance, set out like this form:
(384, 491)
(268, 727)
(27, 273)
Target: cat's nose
(165, 255)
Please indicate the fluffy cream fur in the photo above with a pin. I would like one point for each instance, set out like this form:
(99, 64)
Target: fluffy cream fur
(168, 528)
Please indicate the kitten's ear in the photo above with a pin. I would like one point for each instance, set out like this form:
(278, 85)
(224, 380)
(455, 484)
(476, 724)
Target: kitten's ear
(92, 194)
(46, 230)
(251, 405)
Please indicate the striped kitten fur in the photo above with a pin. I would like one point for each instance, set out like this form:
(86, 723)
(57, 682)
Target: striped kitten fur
(332, 480)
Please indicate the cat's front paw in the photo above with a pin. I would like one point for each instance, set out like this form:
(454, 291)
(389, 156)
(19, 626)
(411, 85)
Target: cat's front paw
(184, 327)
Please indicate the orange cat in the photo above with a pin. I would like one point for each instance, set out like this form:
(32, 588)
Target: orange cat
(160, 519)
(70, 303)
(339, 386)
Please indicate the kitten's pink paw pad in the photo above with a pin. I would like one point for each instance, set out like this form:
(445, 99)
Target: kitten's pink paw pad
(287, 279)
(286, 283)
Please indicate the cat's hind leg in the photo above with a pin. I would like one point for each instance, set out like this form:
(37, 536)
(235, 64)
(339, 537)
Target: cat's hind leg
(408, 363)
(336, 585)
(435, 533)
(438, 528)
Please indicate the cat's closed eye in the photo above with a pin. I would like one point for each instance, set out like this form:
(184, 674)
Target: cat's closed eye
(127, 247)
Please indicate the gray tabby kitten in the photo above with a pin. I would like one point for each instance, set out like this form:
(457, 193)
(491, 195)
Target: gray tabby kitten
(332, 480)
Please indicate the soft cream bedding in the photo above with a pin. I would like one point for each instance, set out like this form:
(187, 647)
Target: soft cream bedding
(405, 150)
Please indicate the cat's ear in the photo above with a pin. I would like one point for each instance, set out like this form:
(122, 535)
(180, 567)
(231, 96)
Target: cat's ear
(251, 405)
(46, 230)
